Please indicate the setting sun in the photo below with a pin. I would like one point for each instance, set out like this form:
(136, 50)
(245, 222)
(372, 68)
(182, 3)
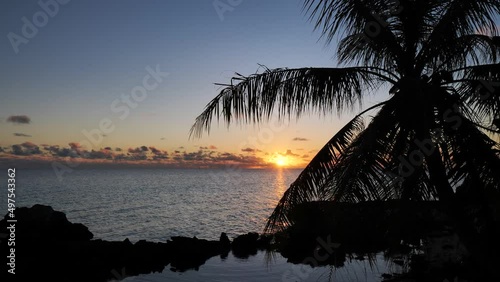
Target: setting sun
(281, 161)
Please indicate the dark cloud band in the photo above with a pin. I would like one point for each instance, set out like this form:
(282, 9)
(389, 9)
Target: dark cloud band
(23, 119)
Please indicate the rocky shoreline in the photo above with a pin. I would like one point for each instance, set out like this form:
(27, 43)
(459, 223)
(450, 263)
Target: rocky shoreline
(48, 246)
(421, 237)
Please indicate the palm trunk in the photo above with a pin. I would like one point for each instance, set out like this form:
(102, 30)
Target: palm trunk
(437, 173)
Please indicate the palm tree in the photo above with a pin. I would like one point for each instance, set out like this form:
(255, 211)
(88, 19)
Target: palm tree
(433, 134)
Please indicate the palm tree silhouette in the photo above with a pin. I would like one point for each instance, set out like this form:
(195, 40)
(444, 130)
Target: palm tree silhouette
(433, 134)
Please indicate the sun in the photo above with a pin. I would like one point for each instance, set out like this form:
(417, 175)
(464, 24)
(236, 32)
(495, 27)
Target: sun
(281, 161)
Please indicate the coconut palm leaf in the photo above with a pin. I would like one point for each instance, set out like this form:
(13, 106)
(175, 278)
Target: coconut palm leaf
(310, 183)
(472, 155)
(290, 92)
(469, 49)
(353, 17)
(456, 19)
(480, 91)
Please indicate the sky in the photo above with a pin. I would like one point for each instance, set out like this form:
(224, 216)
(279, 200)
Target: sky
(123, 81)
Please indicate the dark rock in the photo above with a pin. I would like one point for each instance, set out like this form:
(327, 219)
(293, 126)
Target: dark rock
(245, 245)
(264, 241)
(224, 240)
(190, 253)
(49, 247)
(225, 244)
(43, 223)
(127, 241)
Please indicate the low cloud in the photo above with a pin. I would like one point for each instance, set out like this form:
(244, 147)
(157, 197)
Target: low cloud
(135, 151)
(289, 153)
(301, 139)
(158, 155)
(21, 135)
(26, 149)
(142, 155)
(154, 150)
(23, 119)
(75, 146)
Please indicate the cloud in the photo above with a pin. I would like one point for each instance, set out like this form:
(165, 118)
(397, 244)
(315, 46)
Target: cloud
(26, 149)
(21, 135)
(289, 153)
(300, 139)
(19, 119)
(118, 149)
(58, 152)
(212, 147)
(136, 156)
(158, 154)
(251, 161)
(194, 156)
(29, 145)
(248, 150)
(154, 150)
(103, 154)
(305, 156)
(75, 146)
(135, 151)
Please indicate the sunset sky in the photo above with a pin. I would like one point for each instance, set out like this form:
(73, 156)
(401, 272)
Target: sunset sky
(71, 74)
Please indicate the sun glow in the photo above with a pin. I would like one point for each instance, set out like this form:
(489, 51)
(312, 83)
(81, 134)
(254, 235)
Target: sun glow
(281, 161)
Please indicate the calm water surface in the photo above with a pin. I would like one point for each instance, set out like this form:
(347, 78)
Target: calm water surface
(155, 204)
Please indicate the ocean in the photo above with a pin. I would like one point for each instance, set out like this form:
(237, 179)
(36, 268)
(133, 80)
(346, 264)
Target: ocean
(155, 204)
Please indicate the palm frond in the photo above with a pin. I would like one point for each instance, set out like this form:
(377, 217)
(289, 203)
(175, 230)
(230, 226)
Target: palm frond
(467, 50)
(479, 89)
(456, 19)
(363, 171)
(290, 92)
(305, 187)
(354, 17)
(472, 156)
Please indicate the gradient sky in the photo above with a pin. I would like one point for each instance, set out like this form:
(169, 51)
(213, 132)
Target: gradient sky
(66, 77)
